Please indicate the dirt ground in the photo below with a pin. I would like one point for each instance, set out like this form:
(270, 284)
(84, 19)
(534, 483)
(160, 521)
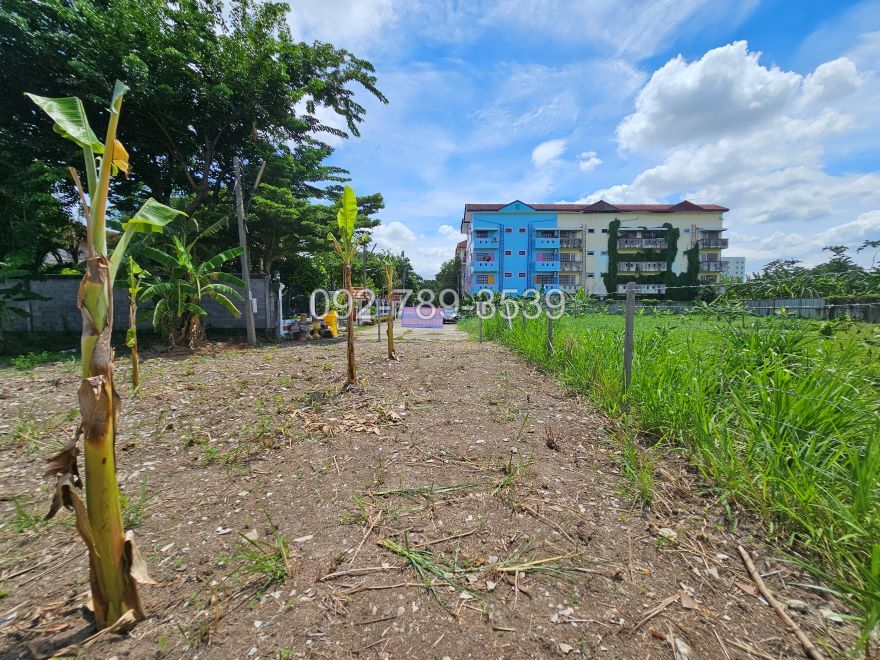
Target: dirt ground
(457, 505)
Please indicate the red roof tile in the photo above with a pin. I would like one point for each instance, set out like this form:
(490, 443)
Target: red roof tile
(604, 207)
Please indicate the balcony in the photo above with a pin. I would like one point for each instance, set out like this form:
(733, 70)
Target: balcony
(641, 266)
(545, 242)
(571, 243)
(570, 266)
(713, 266)
(642, 243)
(545, 266)
(713, 243)
(486, 242)
(485, 266)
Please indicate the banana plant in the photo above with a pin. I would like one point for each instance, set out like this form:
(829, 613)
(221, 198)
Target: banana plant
(389, 266)
(136, 275)
(346, 247)
(115, 566)
(179, 291)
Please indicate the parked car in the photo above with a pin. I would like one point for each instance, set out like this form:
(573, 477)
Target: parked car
(450, 315)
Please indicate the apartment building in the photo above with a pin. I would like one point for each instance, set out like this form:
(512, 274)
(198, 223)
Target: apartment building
(518, 246)
(735, 267)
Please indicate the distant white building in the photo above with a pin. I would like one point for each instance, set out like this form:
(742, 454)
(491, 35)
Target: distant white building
(735, 266)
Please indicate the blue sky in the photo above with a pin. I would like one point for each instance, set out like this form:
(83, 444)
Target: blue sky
(768, 107)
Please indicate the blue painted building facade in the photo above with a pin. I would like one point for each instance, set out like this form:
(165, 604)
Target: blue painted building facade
(512, 249)
(517, 246)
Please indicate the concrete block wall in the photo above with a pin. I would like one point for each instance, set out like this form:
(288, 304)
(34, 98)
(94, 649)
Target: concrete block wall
(59, 312)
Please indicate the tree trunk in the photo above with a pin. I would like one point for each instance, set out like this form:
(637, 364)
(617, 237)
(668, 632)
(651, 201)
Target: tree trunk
(351, 376)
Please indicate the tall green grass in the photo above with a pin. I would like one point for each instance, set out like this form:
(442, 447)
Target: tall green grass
(781, 419)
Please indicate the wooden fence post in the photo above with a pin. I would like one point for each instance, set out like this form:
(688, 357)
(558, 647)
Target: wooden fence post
(628, 335)
(378, 321)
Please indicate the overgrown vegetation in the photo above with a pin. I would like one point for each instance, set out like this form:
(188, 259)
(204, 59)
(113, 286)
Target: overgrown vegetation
(783, 419)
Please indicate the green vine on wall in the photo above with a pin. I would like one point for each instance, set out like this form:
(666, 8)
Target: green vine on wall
(670, 278)
(610, 278)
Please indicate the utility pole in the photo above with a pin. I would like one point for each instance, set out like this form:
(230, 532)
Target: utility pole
(245, 260)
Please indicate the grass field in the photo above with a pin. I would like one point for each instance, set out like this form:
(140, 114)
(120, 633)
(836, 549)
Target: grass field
(781, 415)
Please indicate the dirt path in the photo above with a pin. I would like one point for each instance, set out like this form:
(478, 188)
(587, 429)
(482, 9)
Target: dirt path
(479, 464)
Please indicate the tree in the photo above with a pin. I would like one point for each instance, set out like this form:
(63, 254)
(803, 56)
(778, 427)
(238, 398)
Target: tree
(211, 80)
(115, 566)
(346, 248)
(184, 283)
(449, 275)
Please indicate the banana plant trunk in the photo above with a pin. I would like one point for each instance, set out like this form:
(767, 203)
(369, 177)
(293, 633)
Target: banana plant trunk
(351, 376)
(133, 343)
(114, 591)
(389, 327)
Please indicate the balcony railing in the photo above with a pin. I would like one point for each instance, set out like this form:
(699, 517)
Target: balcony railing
(486, 242)
(485, 266)
(641, 243)
(545, 242)
(713, 266)
(546, 266)
(571, 242)
(713, 243)
(569, 266)
(641, 266)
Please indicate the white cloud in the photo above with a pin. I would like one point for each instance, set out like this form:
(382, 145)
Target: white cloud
(830, 81)
(588, 160)
(448, 230)
(728, 130)
(633, 27)
(394, 236)
(548, 152)
(345, 23)
(808, 247)
(726, 91)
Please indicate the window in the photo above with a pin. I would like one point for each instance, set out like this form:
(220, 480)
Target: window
(521, 274)
(604, 231)
(591, 231)
(522, 230)
(604, 253)
(590, 253)
(522, 253)
(508, 230)
(507, 253)
(485, 279)
(508, 274)
(602, 274)
(591, 274)
(687, 230)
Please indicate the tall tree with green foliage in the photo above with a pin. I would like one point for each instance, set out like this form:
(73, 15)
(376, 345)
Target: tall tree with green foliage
(114, 563)
(211, 80)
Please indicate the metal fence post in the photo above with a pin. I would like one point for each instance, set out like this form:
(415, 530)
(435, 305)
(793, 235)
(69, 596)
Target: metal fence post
(480, 320)
(549, 334)
(628, 334)
(378, 321)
